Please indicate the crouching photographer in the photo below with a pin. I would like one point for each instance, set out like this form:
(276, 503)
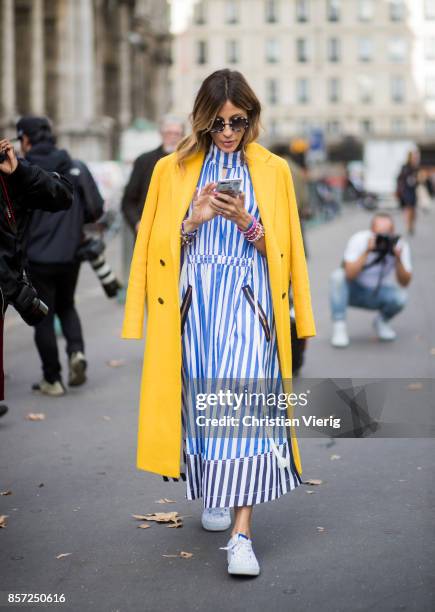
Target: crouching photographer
(23, 188)
(372, 260)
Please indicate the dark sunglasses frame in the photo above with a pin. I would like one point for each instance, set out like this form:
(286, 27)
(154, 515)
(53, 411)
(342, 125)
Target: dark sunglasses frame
(219, 124)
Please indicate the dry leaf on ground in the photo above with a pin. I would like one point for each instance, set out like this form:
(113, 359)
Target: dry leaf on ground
(35, 416)
(320, 529)
(161, 517)
(313, 481)
(3, 518)
(115, 363)
(8, 492)
(144, 526)
(309, 491)
(165, 500)
(63, 555)
(183, 555)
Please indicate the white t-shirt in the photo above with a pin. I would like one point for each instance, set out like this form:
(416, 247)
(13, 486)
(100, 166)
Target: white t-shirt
(370, 277)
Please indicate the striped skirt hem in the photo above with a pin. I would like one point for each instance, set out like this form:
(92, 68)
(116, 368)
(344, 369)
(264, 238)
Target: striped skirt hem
(245, 481)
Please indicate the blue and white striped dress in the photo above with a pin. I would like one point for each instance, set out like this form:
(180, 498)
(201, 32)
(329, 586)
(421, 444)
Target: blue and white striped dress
(229, 339)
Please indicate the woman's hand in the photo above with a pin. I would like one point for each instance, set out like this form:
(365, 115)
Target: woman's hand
(232, 208)
(10, 164)
(201, 210)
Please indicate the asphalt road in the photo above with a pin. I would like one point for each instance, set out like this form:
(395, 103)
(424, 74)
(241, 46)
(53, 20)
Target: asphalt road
(75, 485)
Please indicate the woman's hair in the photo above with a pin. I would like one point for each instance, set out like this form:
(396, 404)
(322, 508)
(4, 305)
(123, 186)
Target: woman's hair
(215, 90)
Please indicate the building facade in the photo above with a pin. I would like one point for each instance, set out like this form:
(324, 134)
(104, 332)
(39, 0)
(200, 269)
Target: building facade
(92, 66)
(363, 68)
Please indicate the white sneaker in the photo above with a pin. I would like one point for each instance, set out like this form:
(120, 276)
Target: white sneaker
(55, 389)
(383, 329)
(241, 558)
(216, 519)
(339, 338)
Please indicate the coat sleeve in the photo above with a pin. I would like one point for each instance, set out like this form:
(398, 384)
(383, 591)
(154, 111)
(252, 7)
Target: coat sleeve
(305, 326)
(40, 189)
(135, 303)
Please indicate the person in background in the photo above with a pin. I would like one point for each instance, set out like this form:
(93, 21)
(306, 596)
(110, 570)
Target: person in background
(23, 188)
(365, 280)
(171, 131)
(52, 245)
(406, 192)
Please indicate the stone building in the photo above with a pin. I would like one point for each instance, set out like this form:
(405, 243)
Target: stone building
(364, 68)
(93, 66)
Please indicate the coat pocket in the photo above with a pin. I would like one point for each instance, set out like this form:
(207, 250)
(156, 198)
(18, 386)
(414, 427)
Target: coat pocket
(249, 294)
(185, 305)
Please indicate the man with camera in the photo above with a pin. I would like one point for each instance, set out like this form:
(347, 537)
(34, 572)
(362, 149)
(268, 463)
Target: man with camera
(23, 188)
(371, 260)
(52, 247)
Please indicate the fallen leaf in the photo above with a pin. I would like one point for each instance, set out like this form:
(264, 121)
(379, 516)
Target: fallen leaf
(115, 363)
(414, 386)
(185, 555)
(8, 492)
(35, 416)
(172, 556)
(320, 529)
(332, 457)
(313, 481)
(310, 491)
(3, 518)
(63, 555)
(144, 526)
(161, 517)
(165, 500)
(175, 525)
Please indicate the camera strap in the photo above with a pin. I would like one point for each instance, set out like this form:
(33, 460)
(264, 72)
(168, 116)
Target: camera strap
(9, 210)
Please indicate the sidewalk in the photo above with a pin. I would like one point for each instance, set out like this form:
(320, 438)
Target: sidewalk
(375, 503)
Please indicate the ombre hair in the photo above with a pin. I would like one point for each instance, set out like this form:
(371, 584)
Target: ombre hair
(215, 90)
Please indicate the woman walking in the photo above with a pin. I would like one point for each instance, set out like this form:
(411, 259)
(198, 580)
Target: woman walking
(215, 269)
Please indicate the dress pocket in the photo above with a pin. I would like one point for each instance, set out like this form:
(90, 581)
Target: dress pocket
(249, 294)
(185, 305)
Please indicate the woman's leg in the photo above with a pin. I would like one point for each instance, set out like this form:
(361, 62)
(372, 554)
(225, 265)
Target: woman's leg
(242, 520)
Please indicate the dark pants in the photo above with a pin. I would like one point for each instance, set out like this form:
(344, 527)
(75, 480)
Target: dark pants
(56, 285)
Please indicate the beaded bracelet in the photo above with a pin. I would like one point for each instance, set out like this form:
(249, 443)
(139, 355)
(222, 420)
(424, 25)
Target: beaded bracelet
(187, 237)
(254, 231)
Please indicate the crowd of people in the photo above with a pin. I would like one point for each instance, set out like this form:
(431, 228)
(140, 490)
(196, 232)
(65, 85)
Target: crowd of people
(241, 271)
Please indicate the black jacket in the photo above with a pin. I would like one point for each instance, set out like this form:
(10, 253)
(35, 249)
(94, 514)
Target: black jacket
(56, 238)
(137, 187)
(27, 189)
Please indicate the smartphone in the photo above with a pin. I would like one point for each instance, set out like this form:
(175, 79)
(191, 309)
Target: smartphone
(229, 186)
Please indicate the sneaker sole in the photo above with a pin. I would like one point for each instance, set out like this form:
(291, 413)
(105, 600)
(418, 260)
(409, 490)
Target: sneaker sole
(243, 572)
(212, 527)
(78, 376)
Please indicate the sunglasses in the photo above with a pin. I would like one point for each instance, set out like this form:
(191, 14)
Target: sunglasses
(237, 124)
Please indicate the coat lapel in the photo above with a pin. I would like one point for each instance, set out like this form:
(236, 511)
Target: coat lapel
(183, 186)
(263, 176)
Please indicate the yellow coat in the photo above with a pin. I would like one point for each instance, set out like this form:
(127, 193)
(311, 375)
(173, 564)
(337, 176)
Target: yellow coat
(154, 279)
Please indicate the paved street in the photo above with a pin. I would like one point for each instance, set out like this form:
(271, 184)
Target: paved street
(376, 502)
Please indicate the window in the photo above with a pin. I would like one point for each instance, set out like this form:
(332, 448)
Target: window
(333, 49)
(233, 56)
(272, 51)
(301, 50)
(271, 11)
(365, 49)
(397, 10)
(398, 125)
(272, 91)
(365, 10)
(199, 13)
(397, 50)
(333, 127)
(397, 89)
(430, 88)
(302, 92)
(201, 52)
(429, 48)
(333, 10)
(366, 126)
(334, 90)
(231, 11)
(429, 9)
(365, 89)
(302, 14)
